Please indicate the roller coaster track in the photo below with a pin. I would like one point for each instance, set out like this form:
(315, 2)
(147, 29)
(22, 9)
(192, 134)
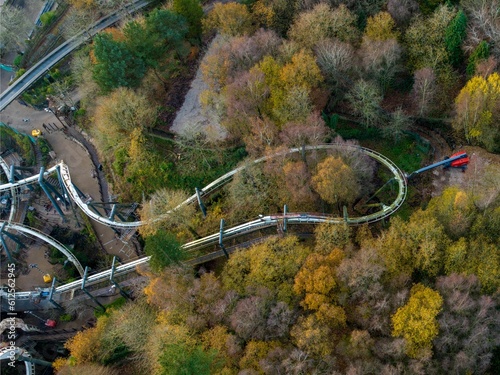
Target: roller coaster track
(236, 231)
(14, 352)
(399, 176)
(385, 212)
(28, 230)
(44, 237)
(40, 68)
(26, 181)
(13, 195)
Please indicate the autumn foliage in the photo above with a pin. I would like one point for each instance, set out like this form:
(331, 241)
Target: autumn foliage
(415, 294)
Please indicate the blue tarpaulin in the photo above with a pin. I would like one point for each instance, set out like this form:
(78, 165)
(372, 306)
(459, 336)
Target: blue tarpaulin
(6, 67)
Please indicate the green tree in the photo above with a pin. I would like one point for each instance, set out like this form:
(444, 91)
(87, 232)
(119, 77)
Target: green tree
(416, 321)
(417, 245)
(475, 256)
(480, 53)
(381, 27)
(425, 39)
(115, 65)
(283, 14)
(158, 41)
(329, 236)
(290, 86)
(365, 99)
(165, 209)
(47, 18)
(312, 26)
(272, 264)
(179, 359)
(319, 337)
(193, 12)
(225, 343)
(251, 192)
(478, 111)
(454, 36)
(428, 6)
(164, 250)
(396, 126)
(14, 27)
(147, 46)
(455, 210)
(322, 22)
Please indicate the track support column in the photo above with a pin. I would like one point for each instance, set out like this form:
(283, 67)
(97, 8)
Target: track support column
(4, 244)
(221, 235)
(47, 193)
(51, 293)
(111, 277)
(87, 292)
(285, 211)
(200, 202)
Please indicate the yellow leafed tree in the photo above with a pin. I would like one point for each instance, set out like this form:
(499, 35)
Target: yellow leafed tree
(416, 321)
(478, 111)
(381, 27)
(229, 19)
(335, 181)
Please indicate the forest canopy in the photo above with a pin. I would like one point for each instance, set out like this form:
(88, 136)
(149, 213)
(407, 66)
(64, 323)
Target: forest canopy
(417, 293)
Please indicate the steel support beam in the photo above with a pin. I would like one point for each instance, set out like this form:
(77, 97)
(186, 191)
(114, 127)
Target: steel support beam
(88, 293)
(221, 235)
(51, 293)
(47, 192)
(285, 211)
(15, 239)
(63, 188)
(111, 277)
(200, 202)
(4, 244)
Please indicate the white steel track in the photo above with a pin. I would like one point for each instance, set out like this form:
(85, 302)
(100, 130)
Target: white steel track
(245, 228)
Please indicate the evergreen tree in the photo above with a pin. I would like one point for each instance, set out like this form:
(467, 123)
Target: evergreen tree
(116, 66)
(193, 12)
(481, 52)
(454, 35)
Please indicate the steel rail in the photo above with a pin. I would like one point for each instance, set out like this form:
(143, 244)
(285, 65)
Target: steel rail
(13, 195)
(27, 181)
(52, 58)
(51, 241)
(238, 230)
(385, 212)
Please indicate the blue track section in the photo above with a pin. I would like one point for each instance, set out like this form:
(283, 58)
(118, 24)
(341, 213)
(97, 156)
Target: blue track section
(446, 163)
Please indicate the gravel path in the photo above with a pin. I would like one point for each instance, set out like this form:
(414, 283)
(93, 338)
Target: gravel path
(191, 120)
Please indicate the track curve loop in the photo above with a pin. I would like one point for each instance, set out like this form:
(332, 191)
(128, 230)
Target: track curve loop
(386, 211)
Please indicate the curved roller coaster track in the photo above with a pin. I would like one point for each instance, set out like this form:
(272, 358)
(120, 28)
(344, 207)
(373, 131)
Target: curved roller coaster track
(233, 232)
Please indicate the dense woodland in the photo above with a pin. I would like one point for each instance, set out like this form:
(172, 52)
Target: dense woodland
(417, 295)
